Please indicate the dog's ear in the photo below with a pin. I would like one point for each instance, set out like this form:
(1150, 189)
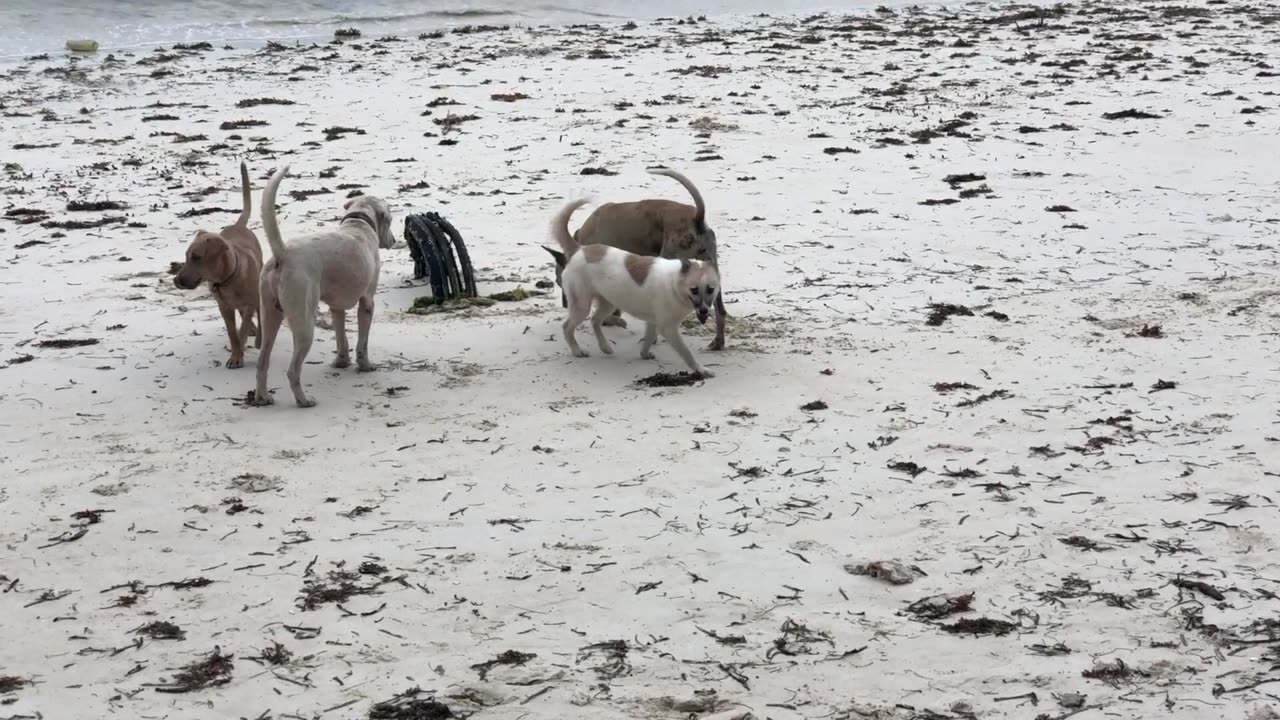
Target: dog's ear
(215, 245)
(386, 238)
(561, 260)
(207, 244)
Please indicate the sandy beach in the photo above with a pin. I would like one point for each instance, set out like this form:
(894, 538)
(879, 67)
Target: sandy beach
(1003, 328)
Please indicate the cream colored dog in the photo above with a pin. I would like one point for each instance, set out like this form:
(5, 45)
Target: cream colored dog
(660, 291)
(338, 267)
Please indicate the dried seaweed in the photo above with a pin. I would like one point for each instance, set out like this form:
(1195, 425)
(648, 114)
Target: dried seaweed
(408, 706)
(162, 630)
(939, 312)
(212, 671)
(509, 657)
(666, 379)
(980, 626)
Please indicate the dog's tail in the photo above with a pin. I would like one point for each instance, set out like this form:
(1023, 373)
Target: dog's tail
(560, 226)
(700, 219)
(269, 214)
(243, 220)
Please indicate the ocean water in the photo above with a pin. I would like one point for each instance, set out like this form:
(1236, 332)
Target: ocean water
(37, 26)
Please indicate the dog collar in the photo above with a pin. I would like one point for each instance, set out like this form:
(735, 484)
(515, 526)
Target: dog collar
(357, 215)
(234, 269)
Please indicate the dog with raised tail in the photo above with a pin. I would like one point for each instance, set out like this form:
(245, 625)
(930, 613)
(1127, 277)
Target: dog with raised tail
(230, 261)
(660, 291)
(665, 228)
(338, 266)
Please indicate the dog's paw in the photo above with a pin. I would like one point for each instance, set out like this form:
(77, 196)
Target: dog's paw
(716, 344)
(234, 362)
(705, 372)
(262, 400)
(365, 366)
(341, 362)
(606, 349)
(647, 355)
(306, 402)
(581, 353)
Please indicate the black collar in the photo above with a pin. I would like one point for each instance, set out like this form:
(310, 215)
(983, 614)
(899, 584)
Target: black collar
(234, 269)
(359, 215)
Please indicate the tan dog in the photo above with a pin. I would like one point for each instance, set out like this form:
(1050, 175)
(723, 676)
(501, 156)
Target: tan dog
(338, 267)
(660, 291)
(653, 227)
(230, 261)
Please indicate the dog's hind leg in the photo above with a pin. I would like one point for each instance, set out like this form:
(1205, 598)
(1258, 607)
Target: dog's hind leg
(672, 334)
(269, 321)
(579, 308)
(300, 310)
(303, 335)
(604, 311)
(364, 321)
(340, 333)
(650, 337)
(237, 340)
(718, 342)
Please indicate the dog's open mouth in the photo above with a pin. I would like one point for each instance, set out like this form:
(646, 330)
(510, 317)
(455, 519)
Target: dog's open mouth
(703, 314)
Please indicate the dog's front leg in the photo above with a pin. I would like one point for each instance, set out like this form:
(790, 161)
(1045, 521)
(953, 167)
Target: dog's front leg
(340, 332)
(650, 337)
(364, 321)
(603, 312)
(237, 343)
(718, 342)
(672, 334)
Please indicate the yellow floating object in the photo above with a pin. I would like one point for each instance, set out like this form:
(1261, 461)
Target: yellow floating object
(82, 45)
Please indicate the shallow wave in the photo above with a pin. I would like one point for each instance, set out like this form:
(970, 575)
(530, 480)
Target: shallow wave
(390, 18)
(580, 11)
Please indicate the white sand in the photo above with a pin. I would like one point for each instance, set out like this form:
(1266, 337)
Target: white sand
(523, 500)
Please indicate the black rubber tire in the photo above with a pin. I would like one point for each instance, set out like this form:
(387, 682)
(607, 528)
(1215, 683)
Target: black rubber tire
(445, 248)
(464, 257)
(415, 252)
(425, 237)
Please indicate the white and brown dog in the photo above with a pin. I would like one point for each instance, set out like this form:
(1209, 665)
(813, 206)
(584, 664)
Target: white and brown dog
(230, 261)
(338, 267)
(664, 228)
(660, 291)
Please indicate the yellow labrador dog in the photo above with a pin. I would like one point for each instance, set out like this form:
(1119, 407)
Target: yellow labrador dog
(230, 261)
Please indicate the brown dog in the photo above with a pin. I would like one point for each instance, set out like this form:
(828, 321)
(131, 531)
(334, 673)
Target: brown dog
(231, 262)
(664, 228)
